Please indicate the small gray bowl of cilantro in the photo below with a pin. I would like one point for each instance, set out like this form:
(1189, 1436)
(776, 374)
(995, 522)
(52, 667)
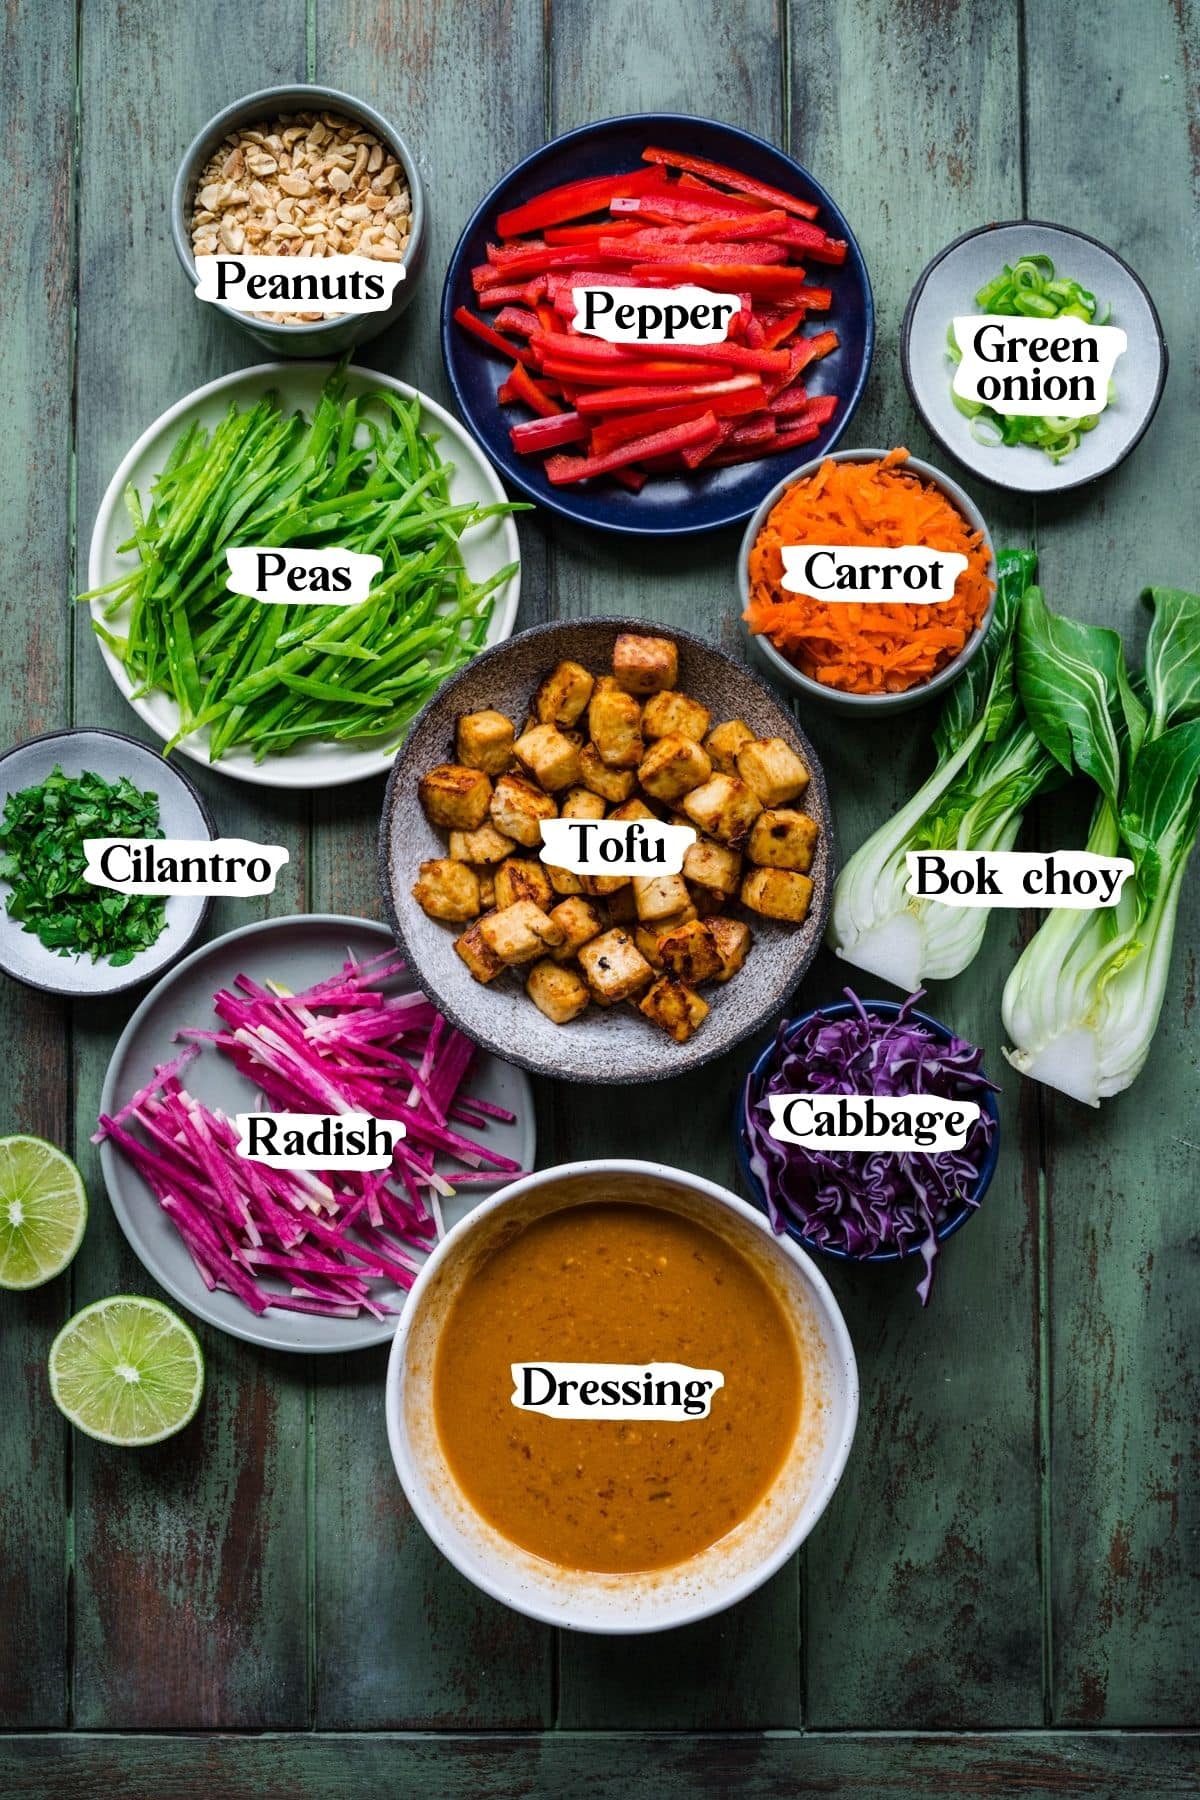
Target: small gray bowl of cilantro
(58, 932)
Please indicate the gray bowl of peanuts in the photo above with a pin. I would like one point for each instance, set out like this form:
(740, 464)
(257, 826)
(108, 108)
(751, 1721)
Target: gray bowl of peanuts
(588, 977)
(309, 172)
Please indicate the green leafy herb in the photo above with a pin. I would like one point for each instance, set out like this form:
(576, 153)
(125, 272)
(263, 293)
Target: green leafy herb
(1029, 288)
(360, 475)
(42, 836)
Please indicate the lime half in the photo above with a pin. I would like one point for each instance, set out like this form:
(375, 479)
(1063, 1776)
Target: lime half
(43, 1212)
(127, 1370)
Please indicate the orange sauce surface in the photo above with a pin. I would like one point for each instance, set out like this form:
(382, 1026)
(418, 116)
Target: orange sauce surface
(622, 1284)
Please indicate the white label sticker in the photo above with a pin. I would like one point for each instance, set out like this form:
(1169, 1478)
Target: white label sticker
(284, 577)
(615, 846)
(1036, 368)
(350, 1140)
(351, 284)
(869, 1122)
(1072, 878)
(863, 572)
(633, 315)
(234, 866)
(574, 1390)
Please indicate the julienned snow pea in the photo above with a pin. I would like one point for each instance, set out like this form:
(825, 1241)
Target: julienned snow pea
(360, 475)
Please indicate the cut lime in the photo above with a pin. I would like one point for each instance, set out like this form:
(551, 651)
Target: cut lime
(127, 1370)
(43, 1212)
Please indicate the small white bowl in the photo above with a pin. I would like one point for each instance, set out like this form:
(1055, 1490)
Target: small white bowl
(728, 1570)
(833, 699)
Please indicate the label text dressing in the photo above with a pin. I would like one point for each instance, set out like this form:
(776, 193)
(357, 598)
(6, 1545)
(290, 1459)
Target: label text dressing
(570, 1390)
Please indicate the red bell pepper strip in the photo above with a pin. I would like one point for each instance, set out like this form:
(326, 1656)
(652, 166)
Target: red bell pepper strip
(789, 400)
(730, 178)
(623, 428)
(681, 206)
(760, 281)
(640, 399)
(500, 296)
(574, 200)
(802, 434)
(518, 319)
(810, 348)
(563, 469)
(521, 386)
(794, 408)
(664, 246)
(811, 242)
(587, 234)
(483, 331)
(631, 368)
(726, 455)
(536, 435)
(633, 479)
(778, 323)
(582, 347)
(754, 431)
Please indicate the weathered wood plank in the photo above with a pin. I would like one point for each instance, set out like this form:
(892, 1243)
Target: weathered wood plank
(722, 60)
(438, 1653)
(597, 1766)
(36, 266)
(1125, 1282)
(190, 1559)
(931, 1543)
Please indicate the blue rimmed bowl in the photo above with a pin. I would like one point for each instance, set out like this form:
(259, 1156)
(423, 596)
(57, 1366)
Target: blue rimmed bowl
(752, 1093)
(678, 505)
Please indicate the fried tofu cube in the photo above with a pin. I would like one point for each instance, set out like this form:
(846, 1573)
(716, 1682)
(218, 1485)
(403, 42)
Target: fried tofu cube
(778, 894)
(783, 839)
(724, 741)
(599, 886)
(581, 803)
(673, 767)
(563, 881)
(484, 740)
(646, 938)
(487, 889)
(613, 785)
(712, 865)
(659, 896)
(447, 890)
(580, 922)
(518, 933)
(561, 994)
(725, 808)
(455, 796)
(732, 939)
(619, 907)
(690, 952)
(676, 1007)
(517, 809)
(614, 967)
(645, 665)
(615, 724)
(520, 878)
(773, 770)
(563, 695)
(482, 961)
(670, 714)
(632, 809)
(484, 845)
(550, 757)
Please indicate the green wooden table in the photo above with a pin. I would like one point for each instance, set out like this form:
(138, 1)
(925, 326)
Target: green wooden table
(1002, 1598)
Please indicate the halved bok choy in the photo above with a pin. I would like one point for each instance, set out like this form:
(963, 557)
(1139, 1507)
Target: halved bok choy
(991, 764)
(1081, 1006)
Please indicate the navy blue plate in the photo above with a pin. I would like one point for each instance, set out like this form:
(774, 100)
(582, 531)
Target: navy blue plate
(884, 1009)
(710, 498)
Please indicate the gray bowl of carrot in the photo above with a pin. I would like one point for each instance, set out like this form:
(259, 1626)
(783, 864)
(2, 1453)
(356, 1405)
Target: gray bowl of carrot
(869, 656)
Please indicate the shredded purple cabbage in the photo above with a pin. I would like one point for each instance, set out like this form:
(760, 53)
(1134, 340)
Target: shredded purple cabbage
(863, 1202)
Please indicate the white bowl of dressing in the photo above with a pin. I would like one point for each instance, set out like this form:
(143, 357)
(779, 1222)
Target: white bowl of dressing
(727, 1570)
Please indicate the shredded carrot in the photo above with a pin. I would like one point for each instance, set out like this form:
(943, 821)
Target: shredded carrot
(866, 646)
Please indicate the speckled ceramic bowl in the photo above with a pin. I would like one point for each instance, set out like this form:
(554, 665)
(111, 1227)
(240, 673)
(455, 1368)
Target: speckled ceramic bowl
(605, 1045)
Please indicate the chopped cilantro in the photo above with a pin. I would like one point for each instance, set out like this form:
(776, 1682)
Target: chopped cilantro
(42, 834)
